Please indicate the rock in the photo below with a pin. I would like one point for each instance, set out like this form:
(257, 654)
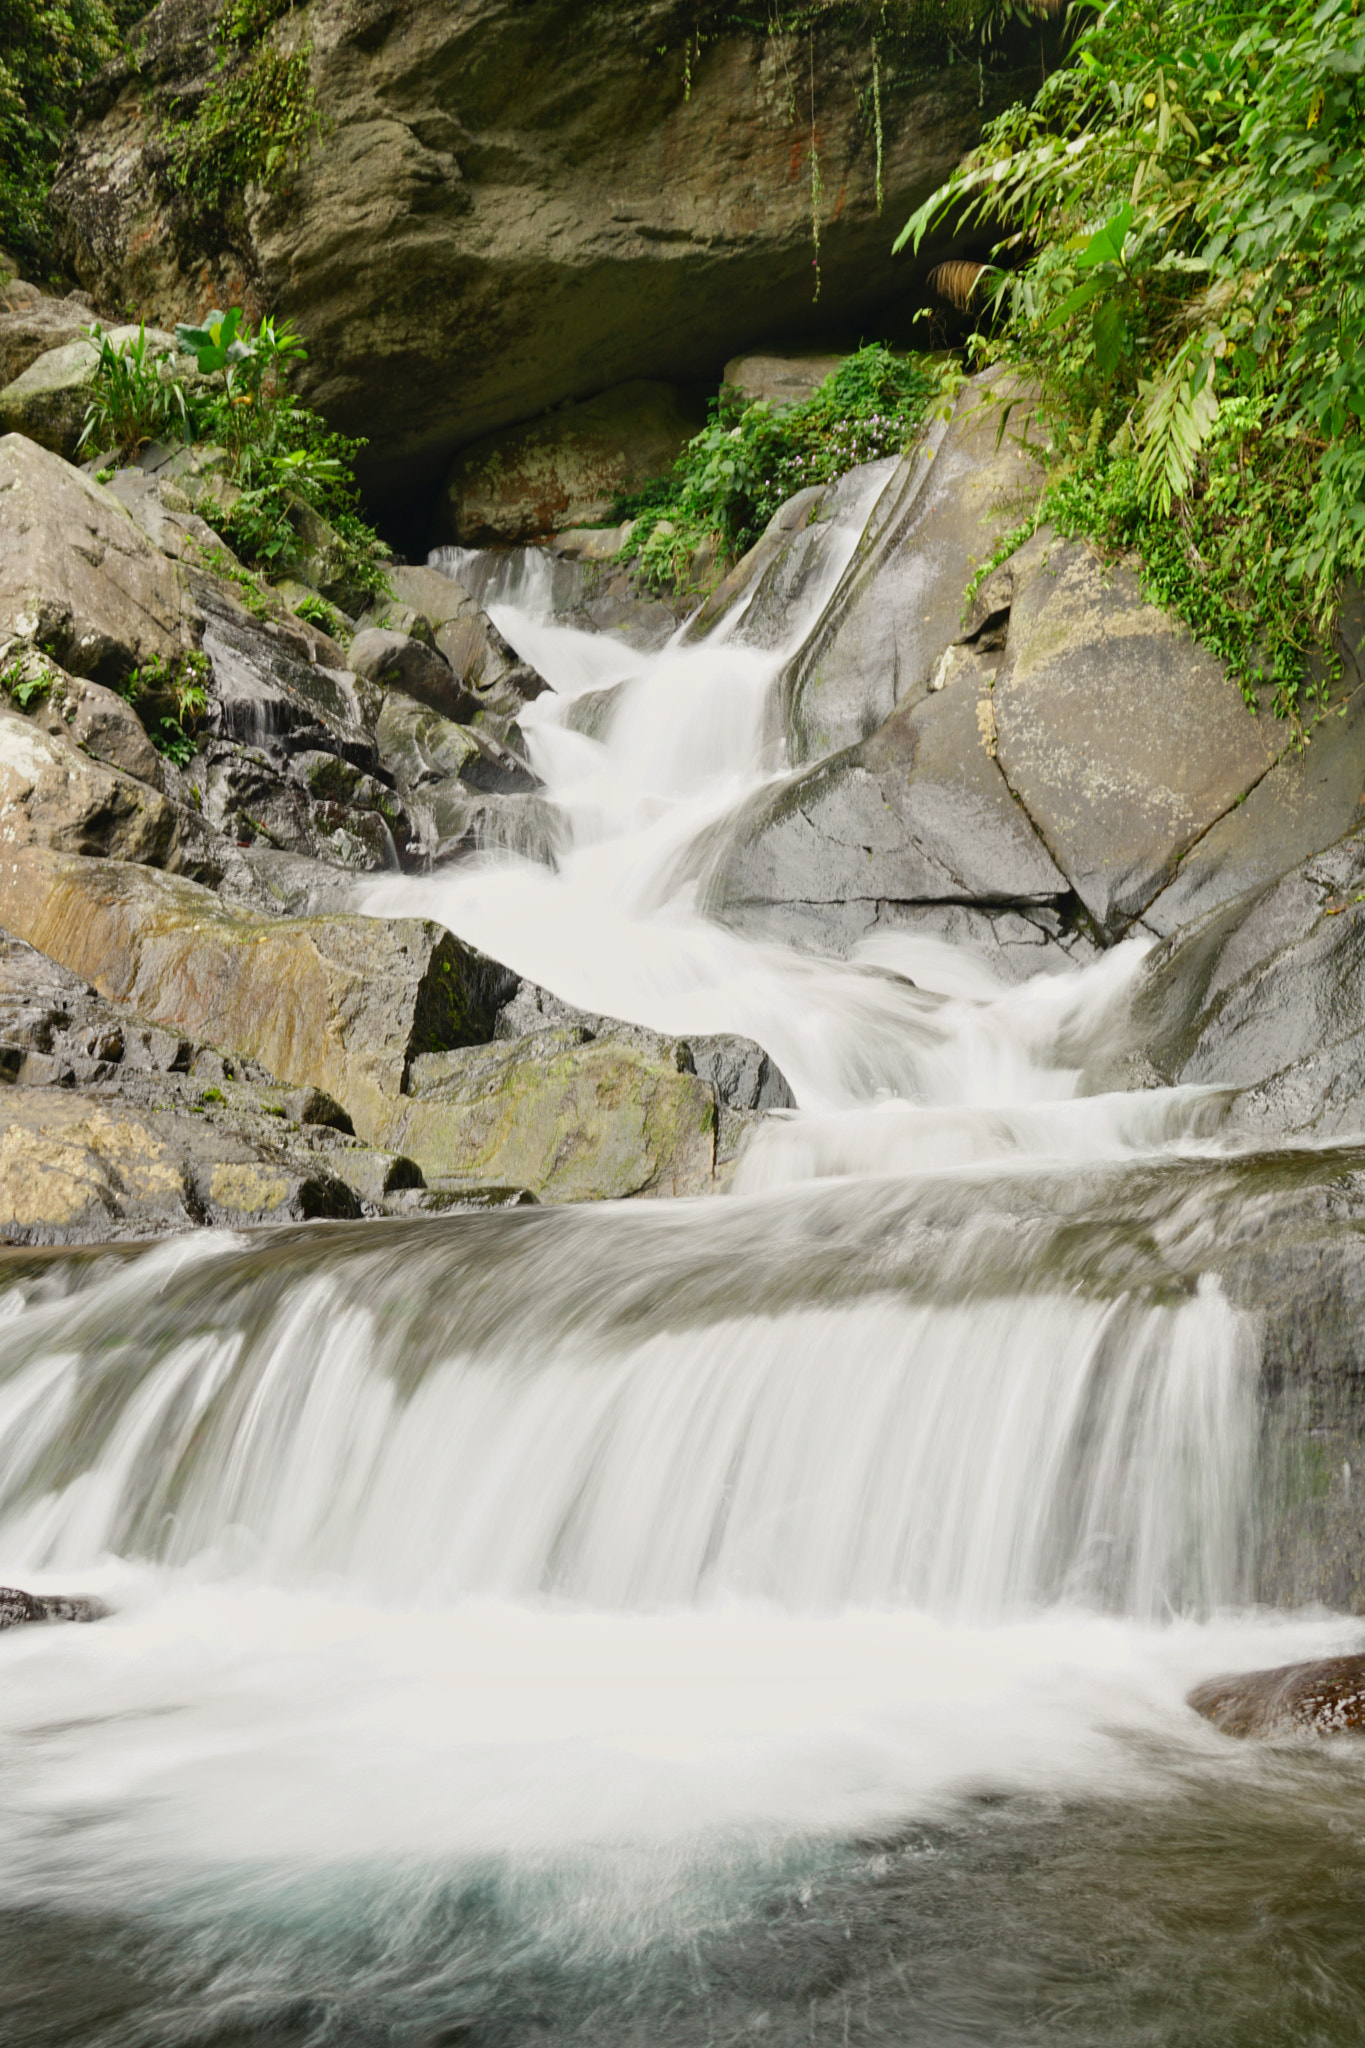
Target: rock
(898, 605)
(315, 1106)
(489, 671)
(266, 683)
(47, 402)
(101, 724)
(469, 242)
(53, 795)
(1267, 995)
(421, 749)
(571, 1121)
(779, 381)
(32, 323)
(465, 821)
(567, 469)
(917, 814)
(1123, 741)
(768, 579)
(77, 578)
(1311, 797)
(338, 1003)
(17, 1608)
(161, 510)
(738, 1069)
(741, 1073)
(396, 661)
(1327, 1698)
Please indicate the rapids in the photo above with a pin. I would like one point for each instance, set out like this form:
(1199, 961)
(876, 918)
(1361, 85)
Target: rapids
(758, 1618)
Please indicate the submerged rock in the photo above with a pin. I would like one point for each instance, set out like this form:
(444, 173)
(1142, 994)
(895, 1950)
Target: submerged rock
(17, 1608)
(1326, 1698)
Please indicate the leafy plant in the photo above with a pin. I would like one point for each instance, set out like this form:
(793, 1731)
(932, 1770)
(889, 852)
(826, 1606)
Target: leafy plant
(317, 612)
(135, 397)
(184, 681)
(50, 54)
(731, 479)
(254, 124)
(24, 685)
(1183, 269)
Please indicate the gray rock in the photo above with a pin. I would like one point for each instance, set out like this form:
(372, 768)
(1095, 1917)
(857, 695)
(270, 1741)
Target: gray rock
(917, 814)
(51, 794)
(421, 749)
(77, 578)
(1311, 797)
(31, 323)
(1123, 741)
(18, 1608)
(103, 725)
(1268, 996)
(899, 603)
(741, 1073)
(779, 380)
(396, 661)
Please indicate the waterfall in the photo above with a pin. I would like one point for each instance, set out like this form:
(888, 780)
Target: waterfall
(560, 1624)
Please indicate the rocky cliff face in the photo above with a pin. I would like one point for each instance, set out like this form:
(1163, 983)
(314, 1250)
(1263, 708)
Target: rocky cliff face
(512, 205)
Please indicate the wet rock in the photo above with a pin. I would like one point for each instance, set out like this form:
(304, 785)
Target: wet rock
(571, 1121)
(568, 468)
(265, 683)
(1267, 995)
(768, 580)
(741, 1073)
(18, 1608)
(1123, 741)
(421, 749)
(338, 1003)
(464, 821)
(1324, 1698)
(77, 578)
(917, 814)
(493, 685)
(47, 401)
(898, 605)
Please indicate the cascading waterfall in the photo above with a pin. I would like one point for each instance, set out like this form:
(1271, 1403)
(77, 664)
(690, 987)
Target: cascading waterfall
(507, 1606)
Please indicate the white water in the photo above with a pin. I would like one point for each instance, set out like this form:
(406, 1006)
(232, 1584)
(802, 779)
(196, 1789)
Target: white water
(636, 1544)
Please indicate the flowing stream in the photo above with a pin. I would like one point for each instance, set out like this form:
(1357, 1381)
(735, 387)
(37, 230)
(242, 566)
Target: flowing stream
(761, 1618)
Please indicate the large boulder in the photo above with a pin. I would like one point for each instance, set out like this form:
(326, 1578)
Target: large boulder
(899, 603)
(1122, 739)
(31, 323)
(101, 724)
(52, 794)
(48, 400)
(779, 380)
(1267, 996)
(77, 578)
(513, 204)
(339, 1003)
(917, 815)
(572, 1121)
(567, 469)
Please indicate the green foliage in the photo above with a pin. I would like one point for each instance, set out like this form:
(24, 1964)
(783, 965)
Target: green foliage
(1185, 208)
(282, 458)
(730, 480)
(50, 53)
(23, 685)
(253, 125)
(136, 396)
(184, 681)
(317, 612)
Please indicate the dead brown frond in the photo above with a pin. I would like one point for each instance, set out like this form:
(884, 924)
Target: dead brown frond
(957, 282)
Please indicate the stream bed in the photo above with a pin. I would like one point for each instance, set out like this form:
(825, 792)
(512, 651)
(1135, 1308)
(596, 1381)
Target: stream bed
(761, 1618)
